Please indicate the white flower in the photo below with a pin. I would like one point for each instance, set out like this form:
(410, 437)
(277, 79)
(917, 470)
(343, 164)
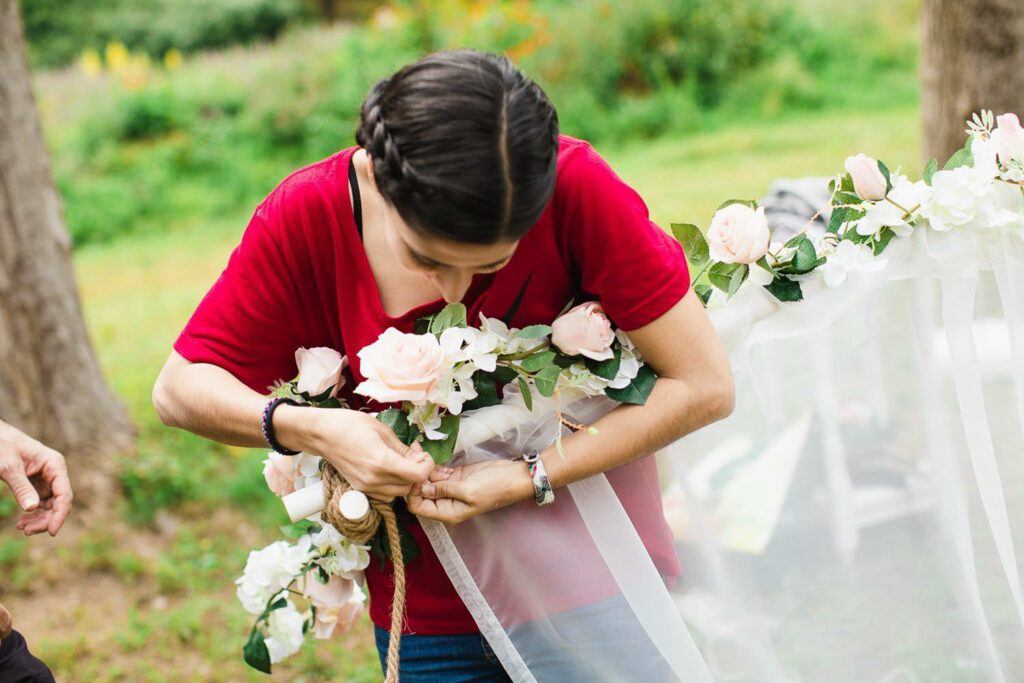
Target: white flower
(630, 364)
(465, 344)
(578, 377)
(760, 276)
(1008, 138)
(738, 234)
(846, 258)
(968, 198)
(507, 342)
(320, 369)
(338, 603)
(908, 196)
(269, 571)
(284, 628)
(307, 468)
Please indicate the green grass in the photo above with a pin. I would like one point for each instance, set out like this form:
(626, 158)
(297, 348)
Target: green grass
(175, 615)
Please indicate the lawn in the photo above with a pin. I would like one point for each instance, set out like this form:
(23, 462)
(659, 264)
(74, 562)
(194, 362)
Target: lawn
(151, 598)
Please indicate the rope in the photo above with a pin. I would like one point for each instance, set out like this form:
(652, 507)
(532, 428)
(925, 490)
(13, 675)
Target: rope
(361, 531)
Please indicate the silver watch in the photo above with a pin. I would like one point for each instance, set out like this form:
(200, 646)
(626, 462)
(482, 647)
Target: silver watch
(542, 492)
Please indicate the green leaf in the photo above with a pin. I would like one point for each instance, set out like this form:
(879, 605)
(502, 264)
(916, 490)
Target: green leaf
(745, 202)
(888, 178)
(785, 289)
(883, 240)
(805, 259)
(721, 274)
(380, 547)
(846, 184)
(300, 528)
(763, 262)
(534, 331)
(256, 653)
(846, 198)
(835, 222)
(695, 245)
(606, 369)
(546, 379)
(504, 374)
(929, 170)
(738, 276)
(452, 315)
(280, 603)
(832, 186)
(486, 392)
(399, 423)
(538, 361)
(638, 390)
(962, 157)
(704, 292)
(441, 450)
(563, 361)
(525, 389)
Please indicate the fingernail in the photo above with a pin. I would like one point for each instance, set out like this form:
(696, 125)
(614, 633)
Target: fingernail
(428, 489)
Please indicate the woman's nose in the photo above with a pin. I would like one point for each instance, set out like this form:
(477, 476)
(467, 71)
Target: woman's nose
(454, 284)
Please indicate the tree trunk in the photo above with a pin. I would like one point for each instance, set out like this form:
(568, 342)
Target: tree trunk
(972, 59)
(50, 382)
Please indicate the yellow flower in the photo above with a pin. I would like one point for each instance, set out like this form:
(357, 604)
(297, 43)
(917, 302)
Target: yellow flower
(173, 59)
(117, 56)
(91, 64)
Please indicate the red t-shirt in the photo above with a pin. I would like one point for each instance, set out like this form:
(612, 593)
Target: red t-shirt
(300, 277)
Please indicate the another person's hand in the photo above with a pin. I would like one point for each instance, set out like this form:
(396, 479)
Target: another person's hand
(38, 477)
(5, 623)
(456, 494)
(368, 454)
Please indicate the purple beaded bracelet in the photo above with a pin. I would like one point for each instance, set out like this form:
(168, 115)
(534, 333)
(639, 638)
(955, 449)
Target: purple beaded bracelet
(268, 427)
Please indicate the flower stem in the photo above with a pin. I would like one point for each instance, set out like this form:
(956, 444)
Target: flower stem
(525, 354)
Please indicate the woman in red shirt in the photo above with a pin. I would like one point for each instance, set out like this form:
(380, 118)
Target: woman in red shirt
(461, 189)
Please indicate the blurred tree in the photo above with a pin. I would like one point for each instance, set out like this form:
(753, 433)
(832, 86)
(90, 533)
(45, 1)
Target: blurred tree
(50, 381)
(973, 54)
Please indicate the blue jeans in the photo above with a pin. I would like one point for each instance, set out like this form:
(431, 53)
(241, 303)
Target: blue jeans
(597, 643)
(464, 658)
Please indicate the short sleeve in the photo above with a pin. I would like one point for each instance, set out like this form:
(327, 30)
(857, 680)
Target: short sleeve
(250, 322)
(621, 257)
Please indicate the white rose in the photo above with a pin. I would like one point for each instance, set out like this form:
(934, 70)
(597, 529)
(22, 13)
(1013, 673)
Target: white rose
(284, 628)
(868, 181)
(584, 330)
(401, 367)
(279, 473)
(320, 369)
(738, 234)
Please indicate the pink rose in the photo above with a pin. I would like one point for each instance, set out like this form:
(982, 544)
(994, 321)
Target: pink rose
(339, 603)
(1008, 138)
(278, 471)
(738, 234)
(584, 330)
(401, 367)
(868, 181)
(319, 370)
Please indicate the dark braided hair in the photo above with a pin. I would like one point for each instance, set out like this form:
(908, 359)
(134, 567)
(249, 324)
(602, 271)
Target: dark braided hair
(464, 146)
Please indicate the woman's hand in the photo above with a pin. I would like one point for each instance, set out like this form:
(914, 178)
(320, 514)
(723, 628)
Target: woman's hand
(456, 494)
(364, 450)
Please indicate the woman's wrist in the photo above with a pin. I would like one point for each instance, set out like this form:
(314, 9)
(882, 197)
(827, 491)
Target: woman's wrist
(296, 427)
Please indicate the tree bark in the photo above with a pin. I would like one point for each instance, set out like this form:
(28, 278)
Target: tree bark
(51, 386)
(972, 59)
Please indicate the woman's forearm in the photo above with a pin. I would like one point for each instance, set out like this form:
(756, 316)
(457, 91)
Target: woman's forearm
(211, 402)
(674, 408)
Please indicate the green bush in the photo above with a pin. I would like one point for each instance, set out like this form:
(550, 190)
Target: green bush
(59, 30)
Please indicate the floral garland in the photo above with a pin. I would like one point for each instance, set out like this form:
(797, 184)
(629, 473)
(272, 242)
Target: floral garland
(447, 367)
(980, 188)
(436, 374)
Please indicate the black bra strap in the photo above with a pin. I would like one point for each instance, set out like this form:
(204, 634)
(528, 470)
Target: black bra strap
(357, 204)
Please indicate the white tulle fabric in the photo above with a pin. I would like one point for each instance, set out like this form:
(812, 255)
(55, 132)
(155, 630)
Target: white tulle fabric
(857, 519)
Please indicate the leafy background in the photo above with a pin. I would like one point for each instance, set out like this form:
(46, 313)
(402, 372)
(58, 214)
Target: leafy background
(169, 120)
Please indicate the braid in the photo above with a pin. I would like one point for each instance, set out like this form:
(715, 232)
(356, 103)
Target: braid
(375, 137)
